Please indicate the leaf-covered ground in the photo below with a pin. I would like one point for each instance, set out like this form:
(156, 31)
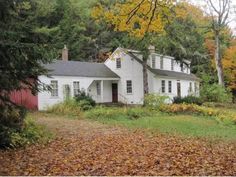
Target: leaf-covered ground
(84, 147)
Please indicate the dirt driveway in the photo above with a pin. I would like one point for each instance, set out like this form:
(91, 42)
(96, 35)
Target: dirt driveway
(84, 147)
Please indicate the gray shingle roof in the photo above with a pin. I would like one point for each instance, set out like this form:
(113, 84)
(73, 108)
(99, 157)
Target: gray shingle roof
(166, 73)
(76, 68)
(173, 74)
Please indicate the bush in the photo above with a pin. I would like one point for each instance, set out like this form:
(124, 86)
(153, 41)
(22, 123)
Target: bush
(82, 96)
(155, 101)
(118, 113)
(85, 105)
(68, 107)
(28, 134)
(215, 93)
(199, 110)
(188, 99)
(11, 119)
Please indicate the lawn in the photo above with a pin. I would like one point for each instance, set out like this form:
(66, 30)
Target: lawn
(84, 147)
(185, 125)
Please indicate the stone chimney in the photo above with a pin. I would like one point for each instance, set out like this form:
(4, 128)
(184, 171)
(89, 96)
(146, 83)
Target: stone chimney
(151, 49)
(65, 53)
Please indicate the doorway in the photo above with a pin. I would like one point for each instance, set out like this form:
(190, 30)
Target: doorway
(114, 92)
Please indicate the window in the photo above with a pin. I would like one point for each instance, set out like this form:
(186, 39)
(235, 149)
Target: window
(129, 86)
(76, 87)
(161, 62)
(153, 61)
(98, 86)
(190, 87)
(54, 88)
(163, 86)
(172, 65)
(118, 63)
(182, 67)
(195, 87)
(170, 87)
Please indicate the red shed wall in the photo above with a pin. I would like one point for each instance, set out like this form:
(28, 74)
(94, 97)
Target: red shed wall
(25, 98)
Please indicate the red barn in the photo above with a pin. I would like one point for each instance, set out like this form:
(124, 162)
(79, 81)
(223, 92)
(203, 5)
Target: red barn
(25, 98)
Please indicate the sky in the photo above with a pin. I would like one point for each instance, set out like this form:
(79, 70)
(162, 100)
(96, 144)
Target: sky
(232, 16)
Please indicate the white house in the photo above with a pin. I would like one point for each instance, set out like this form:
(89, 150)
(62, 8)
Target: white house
(119, 79)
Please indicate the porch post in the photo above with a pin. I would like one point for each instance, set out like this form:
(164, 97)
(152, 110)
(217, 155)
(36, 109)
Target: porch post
(102, 91)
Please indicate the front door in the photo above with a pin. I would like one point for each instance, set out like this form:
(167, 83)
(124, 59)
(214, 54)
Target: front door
(114, 92)
(178, 89)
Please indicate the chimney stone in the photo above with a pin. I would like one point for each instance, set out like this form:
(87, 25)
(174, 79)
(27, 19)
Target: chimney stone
(65, 53)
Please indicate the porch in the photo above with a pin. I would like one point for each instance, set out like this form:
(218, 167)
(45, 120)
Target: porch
(104, 91)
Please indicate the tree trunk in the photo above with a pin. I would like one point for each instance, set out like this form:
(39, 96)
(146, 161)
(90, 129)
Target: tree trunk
(218, 61)
(145, 77)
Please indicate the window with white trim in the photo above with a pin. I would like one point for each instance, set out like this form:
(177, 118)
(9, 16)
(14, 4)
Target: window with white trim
(172, 65)
(161, 63)
(118, 63)
(76, 87)
(170, 86)
(163, 86)
(153, 61)
(195, 87)
(54, 88)
(98, 87)
(129, 88)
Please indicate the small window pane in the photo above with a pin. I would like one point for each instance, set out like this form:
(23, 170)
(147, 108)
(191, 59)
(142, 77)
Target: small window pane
(153, 61)
(76, 88)
(161, 62)
(54, 88)
(172, 65)
(163, 86)
(170, 87)
(118, 63)
(129, 86)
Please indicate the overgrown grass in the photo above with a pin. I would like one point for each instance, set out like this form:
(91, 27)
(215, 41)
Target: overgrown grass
(70, 108)
(186, 125)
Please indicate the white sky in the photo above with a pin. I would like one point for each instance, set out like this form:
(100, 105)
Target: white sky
(232, 16)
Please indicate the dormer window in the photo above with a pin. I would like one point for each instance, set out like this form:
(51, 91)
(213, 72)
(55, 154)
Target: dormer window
(118, 63)
(161, 63)
(153, 61)
(172, 65)
(182, 67)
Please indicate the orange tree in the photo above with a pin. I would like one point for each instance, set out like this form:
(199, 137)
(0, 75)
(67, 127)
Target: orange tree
(141, 20)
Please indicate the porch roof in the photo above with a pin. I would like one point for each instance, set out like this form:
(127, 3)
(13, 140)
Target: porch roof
(77, 68)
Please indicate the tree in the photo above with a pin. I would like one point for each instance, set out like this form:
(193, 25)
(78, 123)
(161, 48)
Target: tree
(22, 54)
(140, 19)
(219, 11)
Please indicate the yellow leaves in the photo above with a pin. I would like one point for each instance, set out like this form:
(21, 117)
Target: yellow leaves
(229, 65)
(135, 18)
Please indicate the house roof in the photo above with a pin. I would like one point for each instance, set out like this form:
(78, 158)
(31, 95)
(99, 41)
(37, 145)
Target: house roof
(77, 68)
(166, 73)
(174, 74)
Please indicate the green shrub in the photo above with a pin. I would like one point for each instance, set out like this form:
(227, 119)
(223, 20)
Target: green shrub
(215, 93)
(188, 99)
(30, 133)
(85, 105)
(221, 115)
(11, 119)
(68, 107)
(81, 96)
(155, 101)
(220, 105)
(118, 113)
